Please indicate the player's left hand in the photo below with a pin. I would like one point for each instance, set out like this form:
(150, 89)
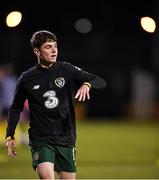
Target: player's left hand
(83, 93)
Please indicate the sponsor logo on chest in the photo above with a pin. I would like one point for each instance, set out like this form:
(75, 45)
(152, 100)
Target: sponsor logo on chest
(36, 87)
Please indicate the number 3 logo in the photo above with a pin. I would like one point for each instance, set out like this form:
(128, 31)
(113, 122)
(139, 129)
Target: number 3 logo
(51, 101)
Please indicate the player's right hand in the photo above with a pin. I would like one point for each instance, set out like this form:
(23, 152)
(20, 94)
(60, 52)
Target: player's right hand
(11, 148)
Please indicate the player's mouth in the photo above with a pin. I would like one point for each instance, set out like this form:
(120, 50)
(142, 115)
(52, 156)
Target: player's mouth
(53, 56)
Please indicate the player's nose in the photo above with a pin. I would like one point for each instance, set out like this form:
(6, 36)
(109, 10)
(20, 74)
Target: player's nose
(53, 50)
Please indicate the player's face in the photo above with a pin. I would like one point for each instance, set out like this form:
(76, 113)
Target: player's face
(48, 52)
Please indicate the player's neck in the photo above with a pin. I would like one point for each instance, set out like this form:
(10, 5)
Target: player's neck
(44, 64)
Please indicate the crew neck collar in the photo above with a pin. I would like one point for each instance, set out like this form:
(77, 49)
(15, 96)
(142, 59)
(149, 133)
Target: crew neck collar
(41, 67)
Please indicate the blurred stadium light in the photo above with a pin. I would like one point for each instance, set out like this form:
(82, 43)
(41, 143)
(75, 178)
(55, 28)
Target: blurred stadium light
(13, 18)
(83, 25)
(148, 24)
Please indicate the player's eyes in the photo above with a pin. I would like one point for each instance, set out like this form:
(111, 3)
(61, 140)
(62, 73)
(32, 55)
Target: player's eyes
(48, 46)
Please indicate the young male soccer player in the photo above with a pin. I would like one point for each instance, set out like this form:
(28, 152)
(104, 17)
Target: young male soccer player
(50, 88)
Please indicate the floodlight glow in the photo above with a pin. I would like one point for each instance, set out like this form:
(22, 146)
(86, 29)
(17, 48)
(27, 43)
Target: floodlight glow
(148, 24)
(13, 19)
(83, 25)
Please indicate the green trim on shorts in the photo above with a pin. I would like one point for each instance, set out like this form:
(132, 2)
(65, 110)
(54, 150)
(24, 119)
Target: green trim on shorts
(63, 157)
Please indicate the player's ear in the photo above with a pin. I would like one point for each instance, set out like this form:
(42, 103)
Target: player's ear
(36, 51)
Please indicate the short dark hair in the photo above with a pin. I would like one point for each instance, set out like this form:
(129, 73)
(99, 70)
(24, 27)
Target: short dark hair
(40, 37)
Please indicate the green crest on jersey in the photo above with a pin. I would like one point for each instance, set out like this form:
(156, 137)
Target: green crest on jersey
(60, 82)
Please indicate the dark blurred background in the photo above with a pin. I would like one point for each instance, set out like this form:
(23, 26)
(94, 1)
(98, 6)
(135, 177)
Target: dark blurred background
(116, 48)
